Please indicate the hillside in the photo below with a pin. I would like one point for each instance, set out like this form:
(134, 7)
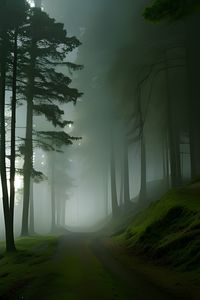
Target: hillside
(166, 235)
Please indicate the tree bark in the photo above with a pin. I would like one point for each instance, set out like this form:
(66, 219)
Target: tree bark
(115, 207)
(106, 204)
(53, 195)
(121, 199)
(62, 214)
(173, 135)
(28, 156)
(193, 50)
(166, 175)
(13, 130)
(59, 211)
(143, 187)
(32, 215)
(27, 167)
(127, 200)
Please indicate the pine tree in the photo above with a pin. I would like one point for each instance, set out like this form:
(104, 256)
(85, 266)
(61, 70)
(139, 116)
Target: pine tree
(45, 47)
(171, 10)
(16, 10)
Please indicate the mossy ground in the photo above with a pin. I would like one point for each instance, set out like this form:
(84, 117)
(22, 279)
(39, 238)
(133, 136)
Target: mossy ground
(166, 236)
(27, 267)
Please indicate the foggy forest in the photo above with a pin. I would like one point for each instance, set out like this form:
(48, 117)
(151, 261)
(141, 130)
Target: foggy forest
(100, 149)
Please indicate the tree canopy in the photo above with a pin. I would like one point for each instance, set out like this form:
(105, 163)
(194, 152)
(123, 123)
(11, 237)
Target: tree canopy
(170, 10)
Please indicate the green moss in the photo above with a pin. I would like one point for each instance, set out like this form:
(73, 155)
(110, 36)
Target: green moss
(168, 231)
(19, 270)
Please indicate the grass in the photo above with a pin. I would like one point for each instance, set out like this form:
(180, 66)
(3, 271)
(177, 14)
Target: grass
(19, 271)
(165, 237)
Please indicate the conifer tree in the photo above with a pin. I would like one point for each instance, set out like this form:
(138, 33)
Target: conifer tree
(44, 48)
(9, 27)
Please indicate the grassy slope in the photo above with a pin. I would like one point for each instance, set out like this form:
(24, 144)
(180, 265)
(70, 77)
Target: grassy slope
(167, 233)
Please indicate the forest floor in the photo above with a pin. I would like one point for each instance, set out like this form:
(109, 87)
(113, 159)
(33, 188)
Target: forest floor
(153, 255)
(72, 267)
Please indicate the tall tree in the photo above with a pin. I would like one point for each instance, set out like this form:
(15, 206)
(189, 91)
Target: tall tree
(45, 47)
(114, 202)
(16, 10)
(126, 188)
(171, 11)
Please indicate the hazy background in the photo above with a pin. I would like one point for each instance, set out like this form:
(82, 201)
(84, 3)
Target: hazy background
(118, 46)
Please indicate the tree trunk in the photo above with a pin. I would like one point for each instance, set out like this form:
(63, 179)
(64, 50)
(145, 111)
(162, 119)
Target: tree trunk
(31, 221)
(53, 209)
(106, 204)
(10, 244)
(127, 200)
(13, 130)
(27, 167)
(53, 196)
(121, 199)
(173, 135)
(115, 207)
(193, 50)
(143, 187)
(59, 211)
(63, 211)
(166, 175)
(28, 156)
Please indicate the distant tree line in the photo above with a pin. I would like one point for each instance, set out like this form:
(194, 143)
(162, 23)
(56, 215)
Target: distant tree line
(157, 86)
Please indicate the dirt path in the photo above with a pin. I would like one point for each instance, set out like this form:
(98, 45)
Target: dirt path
(139, 286)
(82, 268)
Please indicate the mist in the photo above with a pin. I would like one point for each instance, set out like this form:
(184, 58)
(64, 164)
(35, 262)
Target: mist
(99, 146)
(121, 53)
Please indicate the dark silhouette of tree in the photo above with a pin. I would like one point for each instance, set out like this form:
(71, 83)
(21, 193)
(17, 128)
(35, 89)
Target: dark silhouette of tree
(9, 27)
(60, 183)
(171, 10)
(114, 201)
(45, 46)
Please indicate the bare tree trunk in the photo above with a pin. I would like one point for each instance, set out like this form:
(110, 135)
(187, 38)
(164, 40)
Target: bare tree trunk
(121, 199)
(31, 221)
(27, 167)
(28, 156)
(127, 200)
(62, 213)
(143, 187)
(166, 175)
(53, 195)
(59, 210)
(115, 207)
(53, 209)
(193, 51)
(174, 143)
(13, 130)
(105, 179)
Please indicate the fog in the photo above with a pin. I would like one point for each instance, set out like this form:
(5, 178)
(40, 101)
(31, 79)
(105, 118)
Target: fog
(132, 119)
